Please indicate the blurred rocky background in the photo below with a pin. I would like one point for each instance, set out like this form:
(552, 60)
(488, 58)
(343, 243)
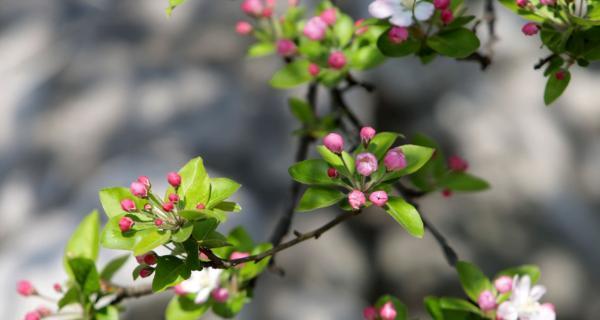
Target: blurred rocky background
(97, 92)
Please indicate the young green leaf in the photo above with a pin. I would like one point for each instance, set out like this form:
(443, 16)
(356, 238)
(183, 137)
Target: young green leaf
(343, 29)
(333, 159)
(260, 49)
(432, 304)
(172, 5)
(455, 43)
(291, 75)
(313, 172)
(203, 228)
(112, 237)
(85, 241)
(472, 279)
(556, 85)
(380, 144)
(232, 307)
(72, 296)
(462, 181)
(458, 305)
(319, 197)
(240, 239)
(85, 275)
(531, 270)
(112, 267)
(302, 111)
(170, 270)
(195, 183)
(183, 233)
(184, 308)
(391, 49)
(221, 189)
(111, 198)
(406, 215)
(148, 239)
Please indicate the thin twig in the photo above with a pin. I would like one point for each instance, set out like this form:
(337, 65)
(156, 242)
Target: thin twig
(544, 61)
(131, 292)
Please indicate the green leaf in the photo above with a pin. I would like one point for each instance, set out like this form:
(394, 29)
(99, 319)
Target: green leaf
(462, 181)
(416, 158)
(184, 308)
(195, 183)
(112, 237)
(531, 270)
(172, 5)
(232, 307)
(170, 270)
(526, 14)
(555, 88)
(472, 279)
(110, 198)
(203, 228)
(313, 172)
(333, 159)
(221, 189)
(72, 296)
(183, 233)
(459, 305)
(330, 78)
(432, 304)
(240, 239)
(401, 310)
(148, 239)
(112, 267)
(228, 206)
(191, 249)
(85, 241)
(302, 111)
(380, 144)
(391, 49)
(291, 75)
(366, 57)
(260, 49)
(456, 43)
(319, 197)
(343, 29)
(252, 269)
(107, 313)
(214, 240)
(406, 215)
(348, 162)
(85, 275)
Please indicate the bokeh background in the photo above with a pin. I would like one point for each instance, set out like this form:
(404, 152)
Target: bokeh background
(97, 92)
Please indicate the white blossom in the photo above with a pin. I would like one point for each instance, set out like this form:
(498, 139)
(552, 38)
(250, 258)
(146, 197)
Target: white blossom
(400, 12)
(524, 304)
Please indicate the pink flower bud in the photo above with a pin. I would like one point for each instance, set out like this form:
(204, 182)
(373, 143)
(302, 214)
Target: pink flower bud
(33, 315)
(43, 311)
(548, 2)
(267, 12)
(243, 28)
(441, 4)
(332, 173)
(447, 16)
(145, 181)
(530, 29)
(314, 69)
(179, 290)
(398, 35)
(158, 222)
(140, 259)
(394, 159)
(379, 198)
(202, 256)
(128, 205)
(138, 189)
(174, 179)
(146, 272)
(366, 163)
(168, 206)
(125, 224)
(356, 199)
(25, 288)
(238, 255)
(148, 207)
(388, 312)
(150, 258)
(447, 193)
(57, 287)
(252, 7)
(220, 295)
(458, 164)
(173, 197)
(560, 75)
(370, 313)
(200, 206)
(522, 3)
(486, 301)
(329, 16)
(292, 3)
(334, 142)
(366, 134)
(337, 60)
(503, 284)
(315, 29)
(286, 48)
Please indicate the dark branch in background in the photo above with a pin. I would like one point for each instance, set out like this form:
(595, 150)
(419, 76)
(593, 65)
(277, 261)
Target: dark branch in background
(123, 293)
(544, 61)
(483, 60)
(283, 225)
(489, 17)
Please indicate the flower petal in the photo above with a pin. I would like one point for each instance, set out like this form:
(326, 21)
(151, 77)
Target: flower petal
(508, 311)
(202, 295)
(381, 9)
(402, 18)
(424, 10)
(537, 292)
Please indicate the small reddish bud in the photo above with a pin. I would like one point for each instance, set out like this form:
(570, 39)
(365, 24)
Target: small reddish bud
(522, 3)
(560, 75)
(366, 134)
(332, 173)
(125, 224)
(150, 258)
(146, 272)
(447, 193)
(145, 181)
(456, 163)
(140, 259)
(33, 315)
(314, 69)
(356, 199)
(334, 142)
(388, 312)
(128, 205)
(138, 189)
(243, 28)
(267, 12)
(379, 198)
(174, 179)
(168, 206)
(286, 48)
(370, 313)
(43, 311)
(329, 16)
(398, 35)
(252, 7)
(441, 4)
(200, 206)
(530, 29)
(220, 295)
(447, 16)
(337, 60)
(25, 288)
(486, 301)
(158, 222)
(57, 287)
(173, 197)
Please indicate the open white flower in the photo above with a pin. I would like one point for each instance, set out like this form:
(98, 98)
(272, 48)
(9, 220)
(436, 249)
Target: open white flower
(524, 302)
(201, 283)
(401, 12)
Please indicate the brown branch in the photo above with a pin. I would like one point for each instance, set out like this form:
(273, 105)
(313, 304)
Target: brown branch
(123, 293)
(483, 60)
(544, 61)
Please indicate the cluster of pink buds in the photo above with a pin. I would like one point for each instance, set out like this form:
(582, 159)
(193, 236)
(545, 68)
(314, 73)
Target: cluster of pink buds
(316, 27)
(366, 164)
(257, 9)
(146, 261)
(162, 213)
(446, 14)
(531, 28)
(39, 313)
(26, 289)
(386, 312)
